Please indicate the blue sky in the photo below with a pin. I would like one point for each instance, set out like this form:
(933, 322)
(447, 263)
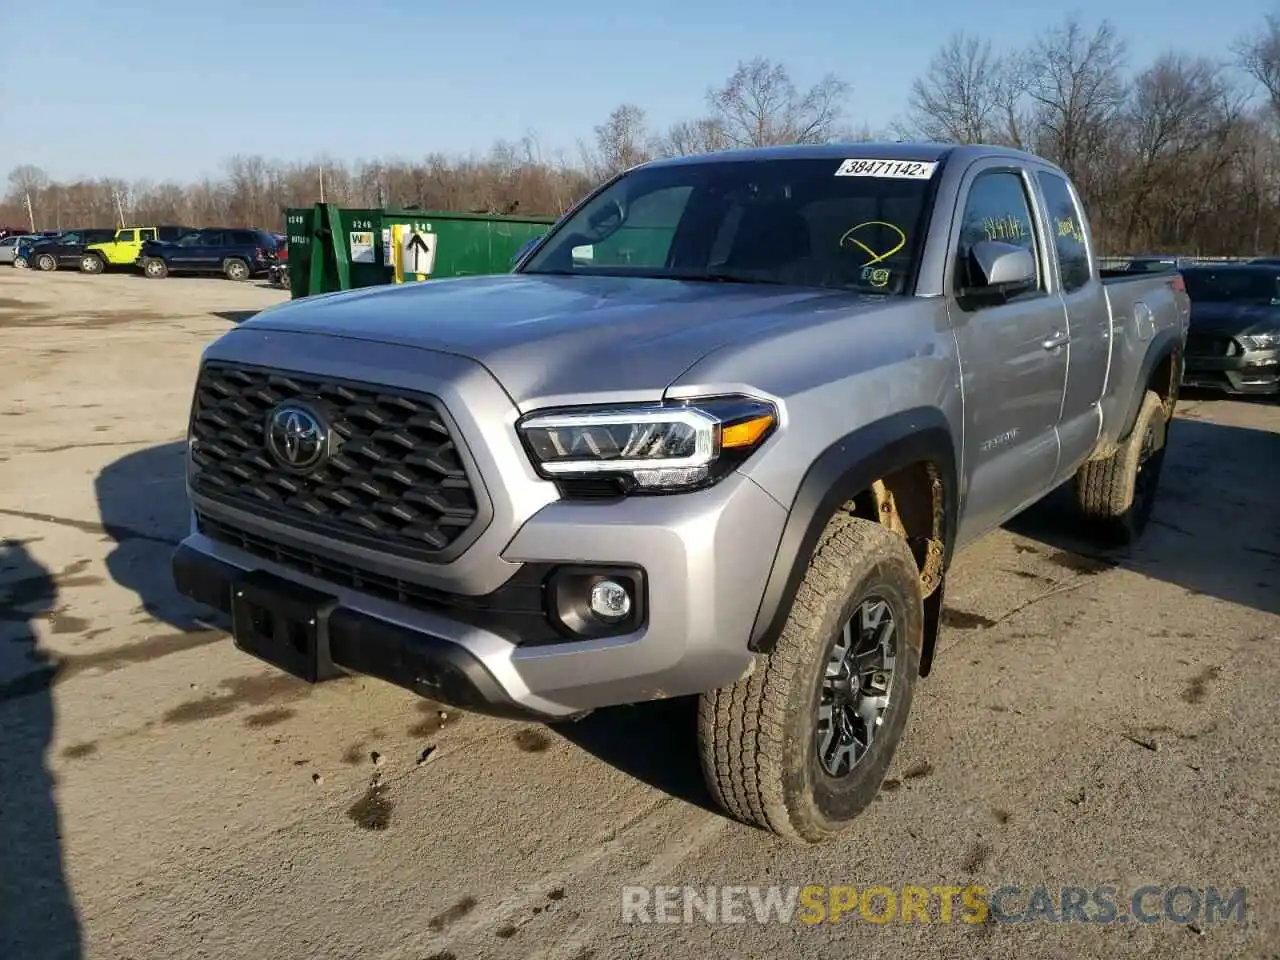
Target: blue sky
(170, 88)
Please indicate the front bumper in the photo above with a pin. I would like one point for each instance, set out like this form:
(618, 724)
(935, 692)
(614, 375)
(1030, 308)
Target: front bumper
(1254, 372)
(704, 559)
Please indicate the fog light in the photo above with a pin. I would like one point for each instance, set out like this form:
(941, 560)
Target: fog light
(610, 600)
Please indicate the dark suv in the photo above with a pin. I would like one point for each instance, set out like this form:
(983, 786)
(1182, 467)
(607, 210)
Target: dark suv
(236, 253)
(65, 249)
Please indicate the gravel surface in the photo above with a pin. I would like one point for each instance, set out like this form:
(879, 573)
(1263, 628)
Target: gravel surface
(1092, 720)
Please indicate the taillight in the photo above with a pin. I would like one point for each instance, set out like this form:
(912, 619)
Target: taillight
(1179, 284)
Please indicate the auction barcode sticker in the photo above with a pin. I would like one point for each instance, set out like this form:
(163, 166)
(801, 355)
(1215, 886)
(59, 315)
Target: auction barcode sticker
(888, 169)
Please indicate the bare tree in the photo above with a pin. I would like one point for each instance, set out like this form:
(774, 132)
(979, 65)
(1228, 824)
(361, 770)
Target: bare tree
(621, 142)
(759, 105)
(1077, 86)
(1259, 57)
(958, 99)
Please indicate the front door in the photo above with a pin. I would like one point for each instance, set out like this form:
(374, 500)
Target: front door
(1013, 375)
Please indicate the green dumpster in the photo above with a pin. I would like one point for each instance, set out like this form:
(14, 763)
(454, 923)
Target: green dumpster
(341, 249)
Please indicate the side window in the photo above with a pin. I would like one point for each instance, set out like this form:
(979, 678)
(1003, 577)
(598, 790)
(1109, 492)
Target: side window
(212, 238)
(644, 238)
(1067, 223)
(126, 236)
(997, 209)
(245, 238)
(147, 234)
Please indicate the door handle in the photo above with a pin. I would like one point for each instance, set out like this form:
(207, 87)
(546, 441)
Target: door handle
(1060, 338)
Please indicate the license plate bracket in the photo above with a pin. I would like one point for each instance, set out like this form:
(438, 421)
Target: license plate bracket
(284, 624)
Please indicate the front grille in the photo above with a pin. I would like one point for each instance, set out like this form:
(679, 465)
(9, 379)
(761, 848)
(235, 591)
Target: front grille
(1200, 345)
(393, 479)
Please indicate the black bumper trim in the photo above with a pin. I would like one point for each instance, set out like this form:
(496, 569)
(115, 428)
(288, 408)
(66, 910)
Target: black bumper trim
(420, 662)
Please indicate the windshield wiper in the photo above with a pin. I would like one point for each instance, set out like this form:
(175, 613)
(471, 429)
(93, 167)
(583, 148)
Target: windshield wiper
(723, 277)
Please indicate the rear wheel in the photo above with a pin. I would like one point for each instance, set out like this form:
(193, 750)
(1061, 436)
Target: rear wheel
(236, 270)
(155, 268)
(91, 263)
(1118, 494)
(47, 262)
(801, 745)
(21, 263)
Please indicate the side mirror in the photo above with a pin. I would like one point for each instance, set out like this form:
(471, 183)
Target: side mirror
(999, 268)
(525, 248)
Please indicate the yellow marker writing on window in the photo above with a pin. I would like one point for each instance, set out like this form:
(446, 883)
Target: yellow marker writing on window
(849, 238)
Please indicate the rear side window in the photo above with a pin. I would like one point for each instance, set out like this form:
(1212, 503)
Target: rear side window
(212, 238)
(148, 234)
(1067, 225)
(997, 209)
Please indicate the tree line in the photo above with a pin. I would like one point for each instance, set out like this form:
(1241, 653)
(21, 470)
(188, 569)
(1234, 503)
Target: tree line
(1178, 155)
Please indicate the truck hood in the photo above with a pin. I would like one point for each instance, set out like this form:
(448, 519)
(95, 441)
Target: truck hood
(548, 339)
(1233, 319)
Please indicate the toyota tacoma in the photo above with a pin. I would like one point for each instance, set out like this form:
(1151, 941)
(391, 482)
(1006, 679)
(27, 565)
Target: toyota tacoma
(719, 432)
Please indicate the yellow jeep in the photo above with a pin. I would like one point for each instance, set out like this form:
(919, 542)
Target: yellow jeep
(125, 248)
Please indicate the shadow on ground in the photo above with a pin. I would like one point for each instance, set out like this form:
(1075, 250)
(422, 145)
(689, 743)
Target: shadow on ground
(142, 502)
(236, 316)
(1216, 525)
(37, 913)
(654, 742)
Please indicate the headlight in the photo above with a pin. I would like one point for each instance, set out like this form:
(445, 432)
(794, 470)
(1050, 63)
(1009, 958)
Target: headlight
(658, 448)
(1261, 341)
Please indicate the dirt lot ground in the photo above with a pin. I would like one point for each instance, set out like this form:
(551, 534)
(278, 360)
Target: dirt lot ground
(1091, 721)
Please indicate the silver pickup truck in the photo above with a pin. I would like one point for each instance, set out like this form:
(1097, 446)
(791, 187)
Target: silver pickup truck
(719, 433)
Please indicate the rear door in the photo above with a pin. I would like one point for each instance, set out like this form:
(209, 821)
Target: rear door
(1012, 370)
(1088, 322)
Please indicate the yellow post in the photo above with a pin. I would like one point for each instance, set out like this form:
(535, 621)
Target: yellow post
(397, 241)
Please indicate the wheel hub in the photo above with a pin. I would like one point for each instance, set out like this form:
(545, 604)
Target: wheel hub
(856, 687)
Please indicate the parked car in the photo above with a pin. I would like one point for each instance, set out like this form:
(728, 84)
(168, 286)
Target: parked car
(237, 254)
(1234, 341)
(730, 454)
(66, 249)
(9, 247)
(125, 247)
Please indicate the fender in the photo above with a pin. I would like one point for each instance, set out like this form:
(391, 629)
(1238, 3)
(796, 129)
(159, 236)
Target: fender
(846, 468)
(1166, 342)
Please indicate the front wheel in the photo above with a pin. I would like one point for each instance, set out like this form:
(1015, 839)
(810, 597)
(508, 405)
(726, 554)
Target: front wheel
(90, 263)
(236, 270)
(155, 268)
(801, 745)
(46, 262)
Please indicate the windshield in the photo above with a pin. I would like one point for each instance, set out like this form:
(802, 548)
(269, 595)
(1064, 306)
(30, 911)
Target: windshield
(773, 221)
(1233, 285)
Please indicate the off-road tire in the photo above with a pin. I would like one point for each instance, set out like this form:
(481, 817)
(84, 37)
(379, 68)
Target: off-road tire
(91, 263)
(47, 262)
(758, 738)
(236, 269)
(1113, 502)
(155, 268)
